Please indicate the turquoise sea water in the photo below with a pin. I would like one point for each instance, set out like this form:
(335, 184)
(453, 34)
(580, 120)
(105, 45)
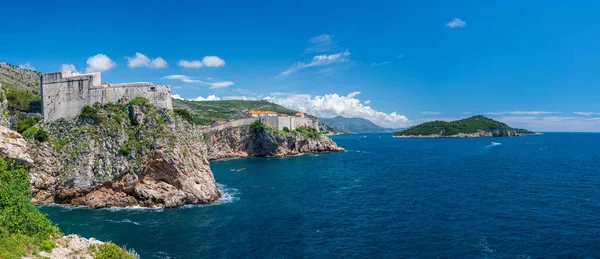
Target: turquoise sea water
(521, 197)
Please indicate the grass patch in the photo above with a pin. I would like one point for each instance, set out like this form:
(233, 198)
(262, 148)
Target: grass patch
(109, 251)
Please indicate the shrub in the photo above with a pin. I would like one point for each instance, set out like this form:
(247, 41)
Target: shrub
(47, 245)
(125, 150)
(17, 213)
(41, 135)
(109, 251)
(89, 112)
(140, 100)
(286, 129)
(23, 101)
(185, 114)
(25, 122)
(258, 126)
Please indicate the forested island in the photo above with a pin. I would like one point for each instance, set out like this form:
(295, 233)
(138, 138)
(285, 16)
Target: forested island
(476, 126)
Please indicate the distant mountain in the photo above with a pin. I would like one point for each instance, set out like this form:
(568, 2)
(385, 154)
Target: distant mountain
(476, 126)
(353, 125)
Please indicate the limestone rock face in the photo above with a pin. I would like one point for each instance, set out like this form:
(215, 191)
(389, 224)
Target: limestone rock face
(12, 145)
(146, 159)
(4, 115)
(246, 141)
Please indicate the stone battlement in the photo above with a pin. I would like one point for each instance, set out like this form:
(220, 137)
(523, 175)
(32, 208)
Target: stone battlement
(65, 93)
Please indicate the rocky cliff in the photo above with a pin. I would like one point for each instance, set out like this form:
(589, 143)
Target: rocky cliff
(134, 154)
(121, 155)
(247, 141)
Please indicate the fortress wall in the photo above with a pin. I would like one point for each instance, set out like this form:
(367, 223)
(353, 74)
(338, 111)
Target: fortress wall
(64, 98)
(63, 95)
(283, 122)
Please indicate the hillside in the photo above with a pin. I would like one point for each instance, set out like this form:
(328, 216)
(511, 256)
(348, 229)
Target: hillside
(207, 112)
(353, 125)
(22, 88)
(473, 126)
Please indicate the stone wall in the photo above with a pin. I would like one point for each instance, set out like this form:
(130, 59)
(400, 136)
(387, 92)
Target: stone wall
(64, 94)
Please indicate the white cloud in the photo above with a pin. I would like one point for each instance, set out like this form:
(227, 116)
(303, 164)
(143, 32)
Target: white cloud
(456, 23)
(211, 82)
(430, 113)
(588, 114)
(159, 63)
(208, 98)
(199, 98)
(535, 113)
(320, 60)
(66, 67)
(213, 61)
(99, 63)
(321, 43)
(27, 65)
(380, 63)
(190, 64)
(208, 61)
(401, 55)
(331, 105)
(367, 102)
(221, 84)
(141, 60)
(177, 96)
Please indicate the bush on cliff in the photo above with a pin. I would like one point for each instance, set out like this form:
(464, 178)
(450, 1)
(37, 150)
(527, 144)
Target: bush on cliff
(91, 113)
(25, 122)
(23, 228)
(184, 114)
(258, 126)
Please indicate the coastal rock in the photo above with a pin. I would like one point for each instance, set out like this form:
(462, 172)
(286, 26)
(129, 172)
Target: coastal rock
(12, 145)
(71, 246)
(478, 134)
(245, 141)
(133, 156)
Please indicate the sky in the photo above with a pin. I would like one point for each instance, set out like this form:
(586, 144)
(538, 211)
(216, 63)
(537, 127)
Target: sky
(531, 64)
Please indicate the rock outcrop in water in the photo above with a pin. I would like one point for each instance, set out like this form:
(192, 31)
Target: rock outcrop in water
(247, 141)
(121, 155)
(137, 155)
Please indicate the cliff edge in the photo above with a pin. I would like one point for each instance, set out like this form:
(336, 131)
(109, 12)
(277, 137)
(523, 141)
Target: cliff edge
(120, 154)
(249, 141)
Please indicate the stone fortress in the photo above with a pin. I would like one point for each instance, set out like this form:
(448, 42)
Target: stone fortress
(64, 93)
(271, 119)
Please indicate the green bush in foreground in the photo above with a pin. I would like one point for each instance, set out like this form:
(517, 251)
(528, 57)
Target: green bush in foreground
(23, 228)
(109, 251)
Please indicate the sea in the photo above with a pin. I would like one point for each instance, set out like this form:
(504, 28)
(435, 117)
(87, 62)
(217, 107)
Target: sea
(535, 196)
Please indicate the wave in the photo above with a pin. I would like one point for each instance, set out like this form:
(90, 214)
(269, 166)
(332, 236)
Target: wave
(228, 195)
(124, 221)
(493, 144)
(358, 151)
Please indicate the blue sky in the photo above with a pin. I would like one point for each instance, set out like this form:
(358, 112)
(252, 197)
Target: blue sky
(531, 64)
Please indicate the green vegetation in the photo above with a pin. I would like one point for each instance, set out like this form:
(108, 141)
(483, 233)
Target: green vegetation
(91, 113)
(468, 125)
(258, 126)
(184, 114)
(208, 112)
(25, 122)
(140, 100)
(22, 88)
(109, 251)
(23, 228)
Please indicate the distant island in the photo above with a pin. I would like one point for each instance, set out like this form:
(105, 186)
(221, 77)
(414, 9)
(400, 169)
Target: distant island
(476, 126)
(354, 125)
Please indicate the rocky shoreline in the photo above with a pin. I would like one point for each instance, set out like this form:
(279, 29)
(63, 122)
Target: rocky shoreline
(479, 134)
(140, 155)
